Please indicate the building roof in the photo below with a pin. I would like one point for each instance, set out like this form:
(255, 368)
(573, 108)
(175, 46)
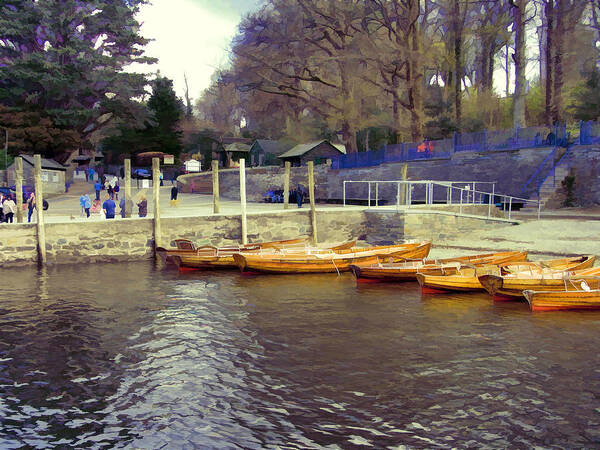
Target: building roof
(237, 147)
(301, 149)
(274, 147)
(48, 164)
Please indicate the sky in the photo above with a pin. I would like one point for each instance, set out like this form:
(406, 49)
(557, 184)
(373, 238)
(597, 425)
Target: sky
(191, 37)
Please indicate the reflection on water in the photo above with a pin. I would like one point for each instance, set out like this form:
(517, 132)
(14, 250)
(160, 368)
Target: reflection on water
(130, 355)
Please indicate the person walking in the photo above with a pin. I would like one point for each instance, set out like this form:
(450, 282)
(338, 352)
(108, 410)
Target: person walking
(116, 190)
(142, 207)
(30, 206)
(91, 174)
(82, 203)
(110, 191)
(174, 193)
(299, 196)
(10, 207)
(87, 204)
(98, 187)
(109, 207)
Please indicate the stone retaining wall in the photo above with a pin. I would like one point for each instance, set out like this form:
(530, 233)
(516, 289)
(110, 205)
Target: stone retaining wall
(132, 239)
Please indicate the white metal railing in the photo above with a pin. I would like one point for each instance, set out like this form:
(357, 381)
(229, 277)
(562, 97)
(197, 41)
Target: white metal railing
(456, 193)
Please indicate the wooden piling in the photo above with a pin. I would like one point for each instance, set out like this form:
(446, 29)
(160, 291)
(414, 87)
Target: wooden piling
(128, 199)
(404, 176)
(156, 198)
(39, 200)
(19, 187)
(215, 189)
(286, 186)
(311, 193)
(243, 200)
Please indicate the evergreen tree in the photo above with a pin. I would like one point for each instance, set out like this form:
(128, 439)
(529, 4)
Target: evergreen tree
(162, 131)
(64, 60)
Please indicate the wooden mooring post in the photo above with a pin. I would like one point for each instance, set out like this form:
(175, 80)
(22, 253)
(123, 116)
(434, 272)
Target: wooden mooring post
(311, 193)
(156, 197)
(243, 200)
(128, 199)
(286, 186)
(39, 201)
(215, 187)
(19, 187)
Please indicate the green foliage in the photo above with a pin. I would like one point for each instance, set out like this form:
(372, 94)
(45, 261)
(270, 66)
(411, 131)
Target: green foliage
(160, 132)
(585, 98)
(535, 105)
(64, 61)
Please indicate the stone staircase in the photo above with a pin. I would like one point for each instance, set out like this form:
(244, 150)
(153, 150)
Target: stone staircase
(549, 188)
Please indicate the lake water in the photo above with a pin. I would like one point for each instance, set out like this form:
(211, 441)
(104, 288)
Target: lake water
(129, 355)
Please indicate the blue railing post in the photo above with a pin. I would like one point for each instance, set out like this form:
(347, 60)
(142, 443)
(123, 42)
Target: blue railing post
(454, 141)
(484, 143)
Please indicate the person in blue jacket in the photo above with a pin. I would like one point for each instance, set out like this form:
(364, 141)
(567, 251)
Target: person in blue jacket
(98, 187)
(109, 207)
(87, 204)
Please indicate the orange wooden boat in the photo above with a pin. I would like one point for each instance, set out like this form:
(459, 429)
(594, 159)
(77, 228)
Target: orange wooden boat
(186, 247)
(209, 257)
(512, 286)
(407, 271)
(339, 261)
(465, 280)
(581, 297)
(561, 264)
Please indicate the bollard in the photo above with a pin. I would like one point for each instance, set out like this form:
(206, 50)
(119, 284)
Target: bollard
(243, 200)
(39, 200)
(19, 187)
(156, 196)
(215, 188)
(128, 199)
(286, 186)
(311, 193)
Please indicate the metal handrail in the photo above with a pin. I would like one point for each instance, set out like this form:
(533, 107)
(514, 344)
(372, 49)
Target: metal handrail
(429, 198)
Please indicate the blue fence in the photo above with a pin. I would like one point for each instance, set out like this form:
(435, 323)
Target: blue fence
(482, 141)
(589, 133)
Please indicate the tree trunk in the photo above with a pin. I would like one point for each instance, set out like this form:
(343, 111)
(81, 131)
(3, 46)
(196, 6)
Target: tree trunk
(557, 104)
(549, 13)
(520, 63)
(415, 76)
(348, 128)
(507, 70)
(458, 68)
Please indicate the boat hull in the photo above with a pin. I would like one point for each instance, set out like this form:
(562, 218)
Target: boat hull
(563, 300)
(331, 263)
(510, 287)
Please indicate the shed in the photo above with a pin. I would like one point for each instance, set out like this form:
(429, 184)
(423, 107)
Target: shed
(264, 152)
(53, 174)
(192, 166)
(234, 152)
(319, 152)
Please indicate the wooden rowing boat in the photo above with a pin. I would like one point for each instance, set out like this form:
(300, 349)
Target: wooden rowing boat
(561, 264)
(512, 286)
(581, 298)
(407, 271)
(222, 258)
(186, 247)
(328, 262)
(466, 280)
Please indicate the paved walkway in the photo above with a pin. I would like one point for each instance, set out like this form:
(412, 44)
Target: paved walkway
(65, 207)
